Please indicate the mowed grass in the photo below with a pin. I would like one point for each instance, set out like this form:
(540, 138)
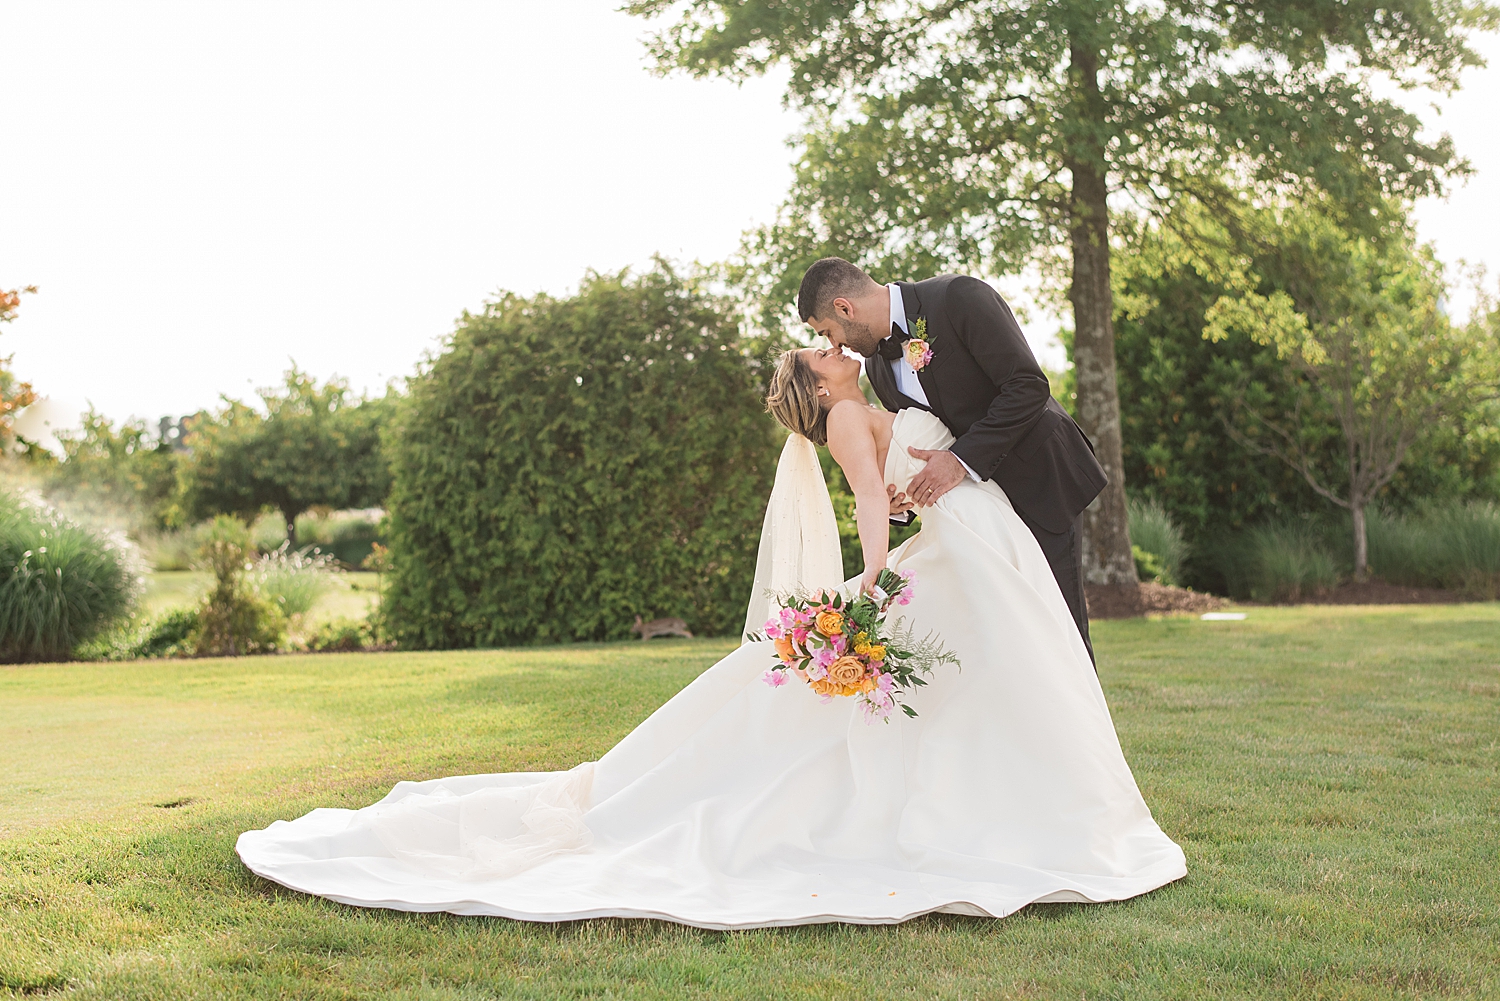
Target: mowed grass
(1330, 772)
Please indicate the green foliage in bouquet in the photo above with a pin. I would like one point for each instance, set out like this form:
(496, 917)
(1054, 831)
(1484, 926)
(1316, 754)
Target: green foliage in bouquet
(848, 648)
(566, 464)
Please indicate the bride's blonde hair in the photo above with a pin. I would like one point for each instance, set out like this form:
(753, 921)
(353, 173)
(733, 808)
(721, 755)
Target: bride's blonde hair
(793, 399)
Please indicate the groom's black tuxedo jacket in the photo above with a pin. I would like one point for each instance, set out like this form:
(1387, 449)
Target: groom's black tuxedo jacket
(985, 384)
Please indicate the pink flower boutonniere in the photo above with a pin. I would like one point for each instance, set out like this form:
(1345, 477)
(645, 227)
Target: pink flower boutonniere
(918, 351)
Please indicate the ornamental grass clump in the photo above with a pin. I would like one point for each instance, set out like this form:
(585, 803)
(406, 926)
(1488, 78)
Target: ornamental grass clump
(294, 580)
(1156, 542)
(1454, 546)
(61, 584)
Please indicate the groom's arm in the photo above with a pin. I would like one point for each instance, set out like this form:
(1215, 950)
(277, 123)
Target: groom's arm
(985, 325)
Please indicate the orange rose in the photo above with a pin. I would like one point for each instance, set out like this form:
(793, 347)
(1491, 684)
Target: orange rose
(830, 623)
(825, 687)
(846, 671)
(785, 650)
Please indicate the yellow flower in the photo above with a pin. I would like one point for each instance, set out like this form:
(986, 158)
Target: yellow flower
(874, 652)
(830, 623)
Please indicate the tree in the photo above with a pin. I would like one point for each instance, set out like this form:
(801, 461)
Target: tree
(567, 464)
(314, 446)
(1378, 363)
(123, 468)
(1176, 387)
(15, 395)
(982, 134)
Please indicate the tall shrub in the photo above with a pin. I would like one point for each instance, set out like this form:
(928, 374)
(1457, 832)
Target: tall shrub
(566, 464)
(60, 583)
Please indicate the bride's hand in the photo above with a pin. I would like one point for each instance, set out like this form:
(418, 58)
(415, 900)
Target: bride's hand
(867, 582)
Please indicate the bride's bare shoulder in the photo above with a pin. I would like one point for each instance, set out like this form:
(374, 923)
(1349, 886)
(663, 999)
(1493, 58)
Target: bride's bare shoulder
(847, 416)
(849, 425)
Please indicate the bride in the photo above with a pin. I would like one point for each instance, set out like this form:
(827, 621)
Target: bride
(741, 805)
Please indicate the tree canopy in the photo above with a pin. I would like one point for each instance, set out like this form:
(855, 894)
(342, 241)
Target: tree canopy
(982, 135)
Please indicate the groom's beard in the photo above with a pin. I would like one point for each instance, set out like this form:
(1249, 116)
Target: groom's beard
(862, 337)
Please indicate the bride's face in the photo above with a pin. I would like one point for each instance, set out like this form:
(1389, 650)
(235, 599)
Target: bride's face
(832, 367)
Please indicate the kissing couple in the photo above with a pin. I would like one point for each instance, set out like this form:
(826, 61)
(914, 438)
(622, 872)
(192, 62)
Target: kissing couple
(740, 805)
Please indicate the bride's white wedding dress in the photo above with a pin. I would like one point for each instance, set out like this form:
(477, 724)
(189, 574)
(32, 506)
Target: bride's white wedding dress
(739, 805)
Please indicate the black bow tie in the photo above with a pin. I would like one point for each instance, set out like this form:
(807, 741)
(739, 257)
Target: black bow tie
(890, 348)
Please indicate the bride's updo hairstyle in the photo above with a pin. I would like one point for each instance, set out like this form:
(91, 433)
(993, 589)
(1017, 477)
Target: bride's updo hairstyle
(793, 399)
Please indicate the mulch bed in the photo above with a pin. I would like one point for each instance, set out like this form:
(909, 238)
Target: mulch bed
(1111, 602)
(1378, 592)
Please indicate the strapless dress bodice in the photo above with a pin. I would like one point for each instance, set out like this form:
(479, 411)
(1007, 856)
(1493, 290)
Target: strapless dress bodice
(913, 428)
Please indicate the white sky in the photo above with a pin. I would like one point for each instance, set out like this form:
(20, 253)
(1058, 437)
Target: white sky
(204, 191)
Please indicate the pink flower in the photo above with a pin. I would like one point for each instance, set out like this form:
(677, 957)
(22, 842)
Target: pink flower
(788, 617)
(799, 637)
(774, 678)
(773, 631)
(918, 354)
(886, 682)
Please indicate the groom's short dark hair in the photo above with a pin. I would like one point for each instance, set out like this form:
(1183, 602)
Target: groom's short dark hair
(824, 282)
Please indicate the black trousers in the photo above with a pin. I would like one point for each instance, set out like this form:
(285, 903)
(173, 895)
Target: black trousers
(1065, 557)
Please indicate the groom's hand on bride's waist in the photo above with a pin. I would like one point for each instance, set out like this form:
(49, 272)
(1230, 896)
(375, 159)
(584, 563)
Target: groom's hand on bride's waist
(942, 473)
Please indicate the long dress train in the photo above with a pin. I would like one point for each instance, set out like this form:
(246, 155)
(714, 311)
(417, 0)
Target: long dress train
(738, 805)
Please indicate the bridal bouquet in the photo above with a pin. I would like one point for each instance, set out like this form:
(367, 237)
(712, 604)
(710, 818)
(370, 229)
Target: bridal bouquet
(847, 648)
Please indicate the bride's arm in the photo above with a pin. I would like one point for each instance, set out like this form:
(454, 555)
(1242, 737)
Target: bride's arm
(851, 439)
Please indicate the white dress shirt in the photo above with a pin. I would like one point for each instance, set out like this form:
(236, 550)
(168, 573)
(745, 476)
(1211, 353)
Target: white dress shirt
(906, 376)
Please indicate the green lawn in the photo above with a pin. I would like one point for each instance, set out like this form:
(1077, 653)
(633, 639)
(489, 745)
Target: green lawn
(1331, 773)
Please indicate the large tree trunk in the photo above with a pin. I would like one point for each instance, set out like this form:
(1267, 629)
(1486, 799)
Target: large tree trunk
(1106, 529)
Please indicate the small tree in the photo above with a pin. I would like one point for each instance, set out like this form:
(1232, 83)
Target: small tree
(15, 395)
(1361, 324)
(233, 620)
(313, 446)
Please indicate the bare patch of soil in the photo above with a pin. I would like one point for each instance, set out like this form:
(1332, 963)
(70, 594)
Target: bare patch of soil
(1125, 602)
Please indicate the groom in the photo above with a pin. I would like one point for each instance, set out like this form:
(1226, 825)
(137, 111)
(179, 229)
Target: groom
(981, 380)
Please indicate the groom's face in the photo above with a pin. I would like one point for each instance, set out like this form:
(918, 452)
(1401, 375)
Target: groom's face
(846, 327)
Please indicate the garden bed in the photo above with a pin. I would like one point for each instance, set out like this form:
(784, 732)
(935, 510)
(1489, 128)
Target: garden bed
(1378, 592)
(1151, 599)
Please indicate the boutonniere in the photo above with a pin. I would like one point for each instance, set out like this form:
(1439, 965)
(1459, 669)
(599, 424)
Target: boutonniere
(918, 351)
